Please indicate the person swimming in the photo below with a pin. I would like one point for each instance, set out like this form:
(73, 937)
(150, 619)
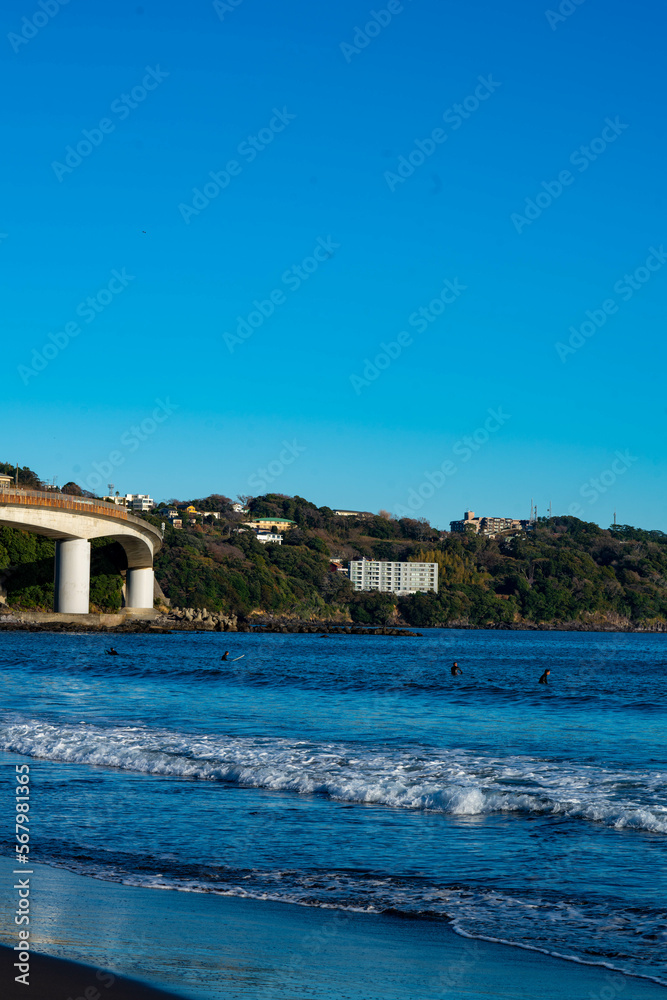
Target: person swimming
(225, 655)
(111, 651)
(543, 678)
(456, 670)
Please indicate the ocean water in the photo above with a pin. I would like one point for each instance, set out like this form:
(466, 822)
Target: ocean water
(356, 772)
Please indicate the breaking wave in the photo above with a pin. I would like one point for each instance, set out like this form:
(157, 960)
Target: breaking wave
(455, 782)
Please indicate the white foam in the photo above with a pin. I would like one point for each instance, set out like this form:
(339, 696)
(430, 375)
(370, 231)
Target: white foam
(453, 782)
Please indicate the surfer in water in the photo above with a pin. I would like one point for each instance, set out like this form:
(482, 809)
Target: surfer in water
(225, 655)
(456, 670)
(544, 677)
(112, 652)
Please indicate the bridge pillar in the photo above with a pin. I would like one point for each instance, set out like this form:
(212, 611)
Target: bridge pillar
(139, 584)
(72, 576)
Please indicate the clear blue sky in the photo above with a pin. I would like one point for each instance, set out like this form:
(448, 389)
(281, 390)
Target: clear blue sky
(331, 126)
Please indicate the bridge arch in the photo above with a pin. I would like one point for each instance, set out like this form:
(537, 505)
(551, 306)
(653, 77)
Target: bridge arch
(72, 522)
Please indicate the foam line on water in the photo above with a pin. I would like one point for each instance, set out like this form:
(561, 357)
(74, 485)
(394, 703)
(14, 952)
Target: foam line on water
(454, 782)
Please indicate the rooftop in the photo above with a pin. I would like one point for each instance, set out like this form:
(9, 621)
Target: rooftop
(281, 520)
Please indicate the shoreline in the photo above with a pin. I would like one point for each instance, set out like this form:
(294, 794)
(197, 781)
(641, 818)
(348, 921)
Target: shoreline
(165, 625)
(197, 945)
(170, 628)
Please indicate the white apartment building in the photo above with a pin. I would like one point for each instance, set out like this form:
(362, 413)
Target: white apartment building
(394, 577)
(139, 501)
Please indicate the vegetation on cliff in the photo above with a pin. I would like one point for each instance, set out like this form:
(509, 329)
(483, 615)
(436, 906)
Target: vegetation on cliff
(562, 570)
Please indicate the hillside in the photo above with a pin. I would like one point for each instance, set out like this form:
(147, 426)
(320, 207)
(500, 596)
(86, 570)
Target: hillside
(563, 570)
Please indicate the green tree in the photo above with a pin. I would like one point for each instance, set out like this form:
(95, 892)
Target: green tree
(372, 607)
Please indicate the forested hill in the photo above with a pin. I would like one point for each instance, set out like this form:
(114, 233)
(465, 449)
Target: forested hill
(562, 570)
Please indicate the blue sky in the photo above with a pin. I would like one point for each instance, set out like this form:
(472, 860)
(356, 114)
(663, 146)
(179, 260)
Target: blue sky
(543, 191)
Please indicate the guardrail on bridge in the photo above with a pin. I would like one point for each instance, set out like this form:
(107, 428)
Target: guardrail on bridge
(37, 498)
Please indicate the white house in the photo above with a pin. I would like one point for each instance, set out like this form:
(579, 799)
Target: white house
(269, 536)
(139, 502)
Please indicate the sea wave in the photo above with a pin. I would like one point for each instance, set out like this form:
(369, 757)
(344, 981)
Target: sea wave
(455, 782)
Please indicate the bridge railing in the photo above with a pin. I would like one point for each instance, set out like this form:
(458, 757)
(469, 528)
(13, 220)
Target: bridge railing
(37, 498)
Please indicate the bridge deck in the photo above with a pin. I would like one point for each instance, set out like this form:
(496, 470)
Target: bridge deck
(63, 501)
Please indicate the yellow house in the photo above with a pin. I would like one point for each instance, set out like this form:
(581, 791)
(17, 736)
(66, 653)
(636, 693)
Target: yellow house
(270, 524)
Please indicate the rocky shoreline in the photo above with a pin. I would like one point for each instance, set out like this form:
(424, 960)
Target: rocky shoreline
(190, 620)
(558, 627)
(172, 620)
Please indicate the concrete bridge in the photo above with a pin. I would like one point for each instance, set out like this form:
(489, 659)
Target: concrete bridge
(72, 522)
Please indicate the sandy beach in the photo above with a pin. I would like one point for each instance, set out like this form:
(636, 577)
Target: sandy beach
(200, 945)
(52, 978)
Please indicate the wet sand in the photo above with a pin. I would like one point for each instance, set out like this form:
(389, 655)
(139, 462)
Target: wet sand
(201, 945)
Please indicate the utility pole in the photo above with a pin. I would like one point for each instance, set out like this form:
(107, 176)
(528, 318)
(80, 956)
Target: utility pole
(16, 480)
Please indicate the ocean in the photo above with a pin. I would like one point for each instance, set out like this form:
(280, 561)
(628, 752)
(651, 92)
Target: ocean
(355, 773)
